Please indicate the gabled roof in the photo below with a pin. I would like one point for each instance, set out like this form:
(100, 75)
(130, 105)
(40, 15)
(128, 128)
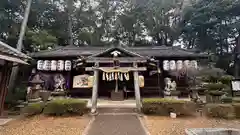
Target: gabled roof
(11, 54)
(148, 51)
(123, 56)
(124, 51)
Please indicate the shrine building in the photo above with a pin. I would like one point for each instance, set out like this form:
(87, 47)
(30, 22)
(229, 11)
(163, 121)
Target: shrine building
(116, 73)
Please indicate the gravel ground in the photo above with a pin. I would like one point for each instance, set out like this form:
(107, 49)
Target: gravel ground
(167, 126)
(40, 125)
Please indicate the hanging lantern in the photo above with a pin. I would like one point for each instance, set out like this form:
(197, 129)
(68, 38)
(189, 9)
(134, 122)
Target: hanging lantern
(60, 65)
(46, 65)
(68, 65)
(172, 65)
(141, 81)
(179, 65)
(186, 63)
(194, 64)
(165, 65)
(53, 65)
(90, 81)
(40, 64)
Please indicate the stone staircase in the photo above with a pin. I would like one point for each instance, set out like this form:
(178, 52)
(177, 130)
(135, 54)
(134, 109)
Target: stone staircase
(115, 107)
(21, 104)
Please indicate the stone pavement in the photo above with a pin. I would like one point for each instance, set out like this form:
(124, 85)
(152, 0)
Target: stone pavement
(120, 124)
(4, 121)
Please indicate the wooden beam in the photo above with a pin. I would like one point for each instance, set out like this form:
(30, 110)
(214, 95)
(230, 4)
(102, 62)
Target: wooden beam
(120, 59)
(116, 69)
(3, 86)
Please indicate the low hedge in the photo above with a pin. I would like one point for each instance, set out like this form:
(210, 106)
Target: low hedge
(33, 109)
(227, 100)
(163, 106)
(236, 100)
(60, 107)
(225, 111)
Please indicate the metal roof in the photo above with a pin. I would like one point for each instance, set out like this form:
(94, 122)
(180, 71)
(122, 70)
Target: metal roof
(148, 51)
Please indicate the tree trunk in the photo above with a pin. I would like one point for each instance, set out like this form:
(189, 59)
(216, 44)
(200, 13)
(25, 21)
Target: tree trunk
(14, 72)
(70, 12)
(236, 63)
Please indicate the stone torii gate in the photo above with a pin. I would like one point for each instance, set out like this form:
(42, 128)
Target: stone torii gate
(135, 69)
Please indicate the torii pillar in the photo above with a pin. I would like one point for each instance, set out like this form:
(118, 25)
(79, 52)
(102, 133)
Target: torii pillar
(137, 89)
(95, 89)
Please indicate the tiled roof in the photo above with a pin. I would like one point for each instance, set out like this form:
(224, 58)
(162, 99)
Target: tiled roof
(11, 54)
(159, 51)
(4, 48)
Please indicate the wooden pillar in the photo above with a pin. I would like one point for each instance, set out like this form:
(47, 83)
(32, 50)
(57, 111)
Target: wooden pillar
(3, 85)
(137, 89)
(95, 89)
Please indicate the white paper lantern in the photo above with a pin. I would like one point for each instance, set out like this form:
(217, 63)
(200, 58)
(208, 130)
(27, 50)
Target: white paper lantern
(44, 65)
(194, 64)
(53, 65)
(165, 65)
(172, 64)
(47, 65)
(186, 63)
(40, 64)
(179, 65)
(68, 65)
(60, 65)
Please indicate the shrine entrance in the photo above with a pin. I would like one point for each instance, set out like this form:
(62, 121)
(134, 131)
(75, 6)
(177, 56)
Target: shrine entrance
(121, 82)
(116, 71)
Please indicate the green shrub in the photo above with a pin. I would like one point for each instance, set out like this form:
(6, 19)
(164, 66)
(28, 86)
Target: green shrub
(33, 109)
(19, 94)
(236, 100)
(215, 86)
(216, 93)
(226, 100)
(237, 109)
(163, 106)
(225, 111)
(226, 79)
(60, 107)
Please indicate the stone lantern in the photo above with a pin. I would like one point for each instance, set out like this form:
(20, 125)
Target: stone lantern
(34, 89)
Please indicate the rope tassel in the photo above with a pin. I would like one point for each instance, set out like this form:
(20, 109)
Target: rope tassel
(103, 76)
(116, 76)
(126, 75)
(112, 75)
(107, 76)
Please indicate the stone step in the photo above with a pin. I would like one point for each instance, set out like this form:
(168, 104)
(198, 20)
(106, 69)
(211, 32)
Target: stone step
(116, 110)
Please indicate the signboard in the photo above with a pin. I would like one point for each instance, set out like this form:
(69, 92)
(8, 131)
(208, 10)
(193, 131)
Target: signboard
(81, 81)
(236, 85)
